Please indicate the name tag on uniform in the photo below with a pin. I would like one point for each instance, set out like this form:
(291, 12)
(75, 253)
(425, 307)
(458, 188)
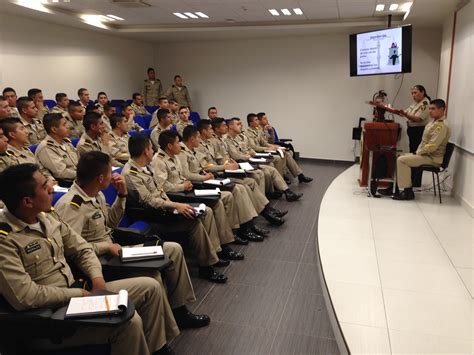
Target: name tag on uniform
(64, 156)
(173, 168)
(32, 247)
(96, 215)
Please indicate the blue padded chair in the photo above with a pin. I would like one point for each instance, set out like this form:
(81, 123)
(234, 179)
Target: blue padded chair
(50, 103)
(151, 109)
(74, 141)
(116, 102)
(57, 196)
(194, 116)
(145, 131)
(33, 148)
(143, 121)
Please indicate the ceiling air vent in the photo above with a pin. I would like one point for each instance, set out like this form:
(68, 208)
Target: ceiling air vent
(131, 3)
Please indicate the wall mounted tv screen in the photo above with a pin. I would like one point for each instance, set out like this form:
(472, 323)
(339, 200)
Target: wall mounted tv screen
(386, 51)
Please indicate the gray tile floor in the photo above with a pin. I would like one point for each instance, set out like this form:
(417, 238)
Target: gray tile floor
(272, 302)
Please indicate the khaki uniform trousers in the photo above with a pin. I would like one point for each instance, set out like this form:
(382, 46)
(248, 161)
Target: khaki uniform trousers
(273, 179)
(259, 200)
(259, 178)
(280, 164)
(291, 164)
(224, 215)
(152, 326)
(408, 161)
(245, 210)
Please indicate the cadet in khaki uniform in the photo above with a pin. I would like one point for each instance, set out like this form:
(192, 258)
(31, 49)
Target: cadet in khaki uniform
(90, 216)
(212, 158)
(137, 105)
(109, 110)
(76, 116)
(34, 245)
(95, 138)
(183, 121)
(127, 111)
(37, 96)
(164, 124)
(56, 152)
(144, 191)
(62, 105)
(28, 114)
(179, 92)
(6, 160)
(84, 98)
(119, 138)
(164, 104)
(102, 99)
(168, 172)
(10, 96)
(239, 150)
(153, 89)
(430, 151)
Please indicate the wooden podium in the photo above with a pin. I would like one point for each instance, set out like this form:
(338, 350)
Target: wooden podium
(378, 139)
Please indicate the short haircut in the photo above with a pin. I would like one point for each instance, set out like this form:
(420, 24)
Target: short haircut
(16, 183)
(233, 119)
(167, 137)
(23, 102)
(51, 120)
(137, 144)
(91, 165)
(91, 107)
(162, 113)
(124, 105)
(189, 132)
(162, 98)
(115, 119)
(217, 122)
(260, 115)
(250, 117)
(181, 107)
(149, 70)
(203, 124)
(101, 93)
(90, 118)
(73, 104)
(108, 106)
(177, 76)
(59, 96)
(33, 92)
(172, 101)
(211, 108)
(8, 89)
(9, 125)
(81, 91)
(439, 103)
(135, 95)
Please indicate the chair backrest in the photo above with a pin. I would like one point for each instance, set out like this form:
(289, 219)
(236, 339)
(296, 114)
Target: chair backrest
(33, 148)
(74, 141)
(275, 135)
(447, 155)
(151, 109)
(57, 196)
(143, 121)
(194, 116)
(49, 103)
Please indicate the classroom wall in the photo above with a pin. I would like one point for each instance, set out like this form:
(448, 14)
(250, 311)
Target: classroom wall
(57, 58)
(302, 83)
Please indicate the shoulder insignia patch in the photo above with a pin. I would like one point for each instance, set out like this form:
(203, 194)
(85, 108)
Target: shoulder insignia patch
(133, 171)
(76, 201)
(5, 229)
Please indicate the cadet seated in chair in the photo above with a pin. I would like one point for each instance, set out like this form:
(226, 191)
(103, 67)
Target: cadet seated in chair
(127, 111)
(34, 246)
(145, 192)
(119, 138)
(28, 113)
(84, 208)
(137, 105)
(76, 113)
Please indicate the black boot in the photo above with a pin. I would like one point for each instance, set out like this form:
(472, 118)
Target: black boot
(292, 196)
(259, 230)
(185, 319)
(277, 212)
(228, 254)
(275, 195)
(287, 179)
(208, 273)
(406, 195)
(240, 241)
(302, 178)
(271, 217)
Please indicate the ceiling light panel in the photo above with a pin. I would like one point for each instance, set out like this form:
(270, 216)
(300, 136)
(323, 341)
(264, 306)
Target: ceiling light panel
(286, 12)
(180, 15)
(201, 14)
(298, 11)
(380, 7)
(191, 15)
(393, 7)
(274, 12)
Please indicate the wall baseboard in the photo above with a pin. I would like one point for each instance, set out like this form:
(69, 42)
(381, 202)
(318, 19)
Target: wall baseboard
(464, 203)
(327, 161)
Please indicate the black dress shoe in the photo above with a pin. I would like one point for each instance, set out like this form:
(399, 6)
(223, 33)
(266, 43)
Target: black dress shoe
(208, 273)
(271, 217)
(287, 180)
(186, 319)
(277, 212)
(240, 241)
(275, 195)
(386, 192)
(252, 237)
(292, 196)
(259, 230)
(229, 254)
(302, 178)
(165, 350)
(221, 262)
(405, 195)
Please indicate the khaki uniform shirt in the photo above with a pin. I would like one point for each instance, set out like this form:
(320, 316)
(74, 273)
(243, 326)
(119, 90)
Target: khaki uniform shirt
(34, 270)
(22, 156)
(256, 140)
(7, 159)
(167, 172)
(62, 111)
(91, 217)
(152, 91)
(181, 125)
(435, 138)
(139, 110)
(175, 117)
(133, 126)
(421, 110)
(59, 158)
(106, 120)
(41, 113)
(36, 131)
(87, 144)
(238, 147)
(119, 146)
(212, 156)
(190, 163)
(14, 112)
(143, 189)
(179, 94)
(155, 134)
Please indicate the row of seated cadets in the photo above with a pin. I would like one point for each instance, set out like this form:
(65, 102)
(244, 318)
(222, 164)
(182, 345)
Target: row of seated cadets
(30, 226)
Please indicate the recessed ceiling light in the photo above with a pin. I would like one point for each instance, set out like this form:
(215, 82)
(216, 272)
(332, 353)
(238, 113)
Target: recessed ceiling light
(180, 15)
(380, 7)
(201, 14)
(286, 12)
(298, 11)
(115, 17)
(191, 15)
(94, 20)
(274, 12)
(393, 7)
(405, 6)
(33, 4)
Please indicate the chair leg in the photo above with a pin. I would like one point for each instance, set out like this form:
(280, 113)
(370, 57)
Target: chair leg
(434, 184)
(439, 188)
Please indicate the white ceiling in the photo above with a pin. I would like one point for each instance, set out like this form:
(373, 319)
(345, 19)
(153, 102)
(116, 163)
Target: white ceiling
(235, 18)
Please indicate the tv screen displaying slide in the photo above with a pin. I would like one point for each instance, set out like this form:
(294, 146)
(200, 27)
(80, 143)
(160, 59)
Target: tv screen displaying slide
(385, 51)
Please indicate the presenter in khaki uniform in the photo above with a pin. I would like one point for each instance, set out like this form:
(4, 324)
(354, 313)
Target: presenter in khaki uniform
(56, 152)
(84, 208)
(28, 114)
(145, 192)
(153, 89)
(168, 172)
(430, 151)
(179, 92)
(34, 246)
